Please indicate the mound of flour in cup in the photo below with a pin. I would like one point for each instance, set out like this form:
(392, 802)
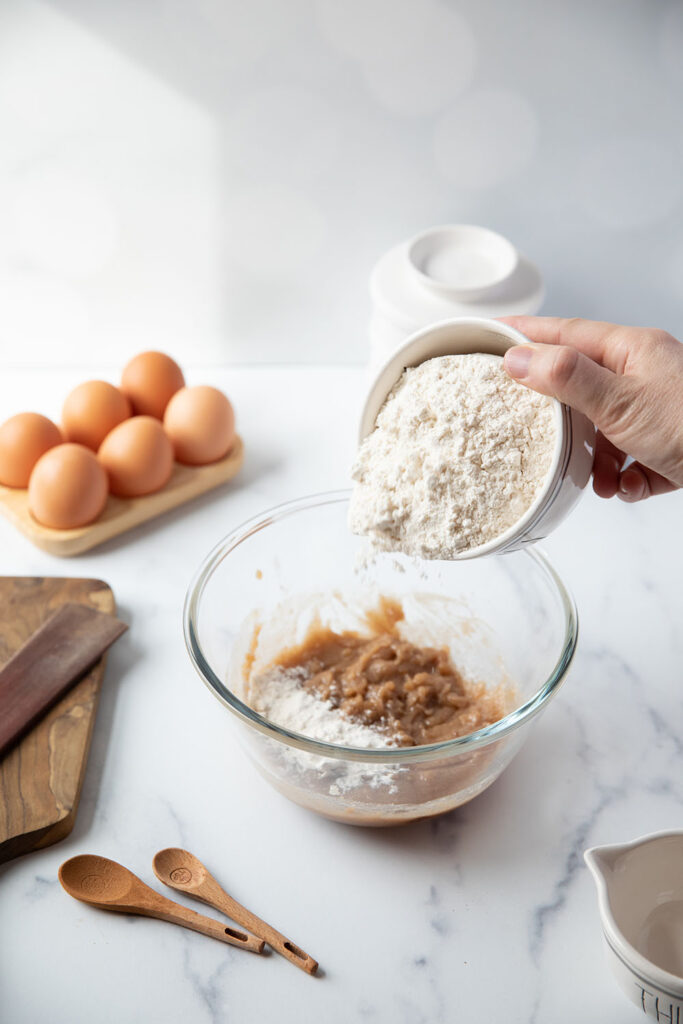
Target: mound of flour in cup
(458, 454)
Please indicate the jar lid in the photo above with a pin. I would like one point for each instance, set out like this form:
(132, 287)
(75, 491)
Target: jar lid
(454, 270)
(461, 261)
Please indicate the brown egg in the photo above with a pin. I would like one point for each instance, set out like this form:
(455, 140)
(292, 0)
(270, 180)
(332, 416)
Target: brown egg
(23, 439)
(201, 424)
(137, 456)
(149, 380)
(68, 487)
(91, 410)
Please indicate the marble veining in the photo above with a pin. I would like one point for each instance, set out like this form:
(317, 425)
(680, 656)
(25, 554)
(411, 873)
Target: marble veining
(486, 913)
(545, 914)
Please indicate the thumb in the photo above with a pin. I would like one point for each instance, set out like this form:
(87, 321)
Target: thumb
(566, 374)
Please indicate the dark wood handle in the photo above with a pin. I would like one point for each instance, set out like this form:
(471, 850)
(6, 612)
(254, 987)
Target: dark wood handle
(50, 662)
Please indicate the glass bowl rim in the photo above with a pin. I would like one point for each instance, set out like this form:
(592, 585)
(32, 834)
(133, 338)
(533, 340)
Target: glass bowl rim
(393, 755)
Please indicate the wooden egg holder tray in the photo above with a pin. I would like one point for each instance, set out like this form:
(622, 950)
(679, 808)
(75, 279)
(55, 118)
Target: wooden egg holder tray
(120, 514)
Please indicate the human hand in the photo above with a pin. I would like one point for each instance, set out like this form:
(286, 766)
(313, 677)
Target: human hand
(627, 380)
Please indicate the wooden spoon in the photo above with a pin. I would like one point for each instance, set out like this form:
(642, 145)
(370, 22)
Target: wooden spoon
(105, 884)
(186, 873)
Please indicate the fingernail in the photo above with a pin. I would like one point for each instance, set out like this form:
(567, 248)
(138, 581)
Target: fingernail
(517, 361)
(631, 486)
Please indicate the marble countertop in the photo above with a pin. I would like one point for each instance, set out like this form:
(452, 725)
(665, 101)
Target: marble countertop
(487, 913)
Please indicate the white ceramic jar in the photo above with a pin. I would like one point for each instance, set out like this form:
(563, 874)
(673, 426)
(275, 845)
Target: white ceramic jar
(444, 272)
(572, 459)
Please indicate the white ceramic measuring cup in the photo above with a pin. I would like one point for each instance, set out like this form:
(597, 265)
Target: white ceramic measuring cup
(572, 459)
(640, 897)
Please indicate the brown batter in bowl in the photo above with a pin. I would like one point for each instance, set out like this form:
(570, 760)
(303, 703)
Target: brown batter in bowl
(507, 621)
(414, 695)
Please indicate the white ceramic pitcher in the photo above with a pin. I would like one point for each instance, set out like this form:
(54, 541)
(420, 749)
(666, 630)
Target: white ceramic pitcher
(640, 896)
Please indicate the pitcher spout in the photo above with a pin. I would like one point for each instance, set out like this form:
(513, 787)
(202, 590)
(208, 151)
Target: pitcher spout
(601, 861)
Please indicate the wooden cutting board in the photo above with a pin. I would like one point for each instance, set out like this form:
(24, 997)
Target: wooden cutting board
(41, 778)
(121, 514)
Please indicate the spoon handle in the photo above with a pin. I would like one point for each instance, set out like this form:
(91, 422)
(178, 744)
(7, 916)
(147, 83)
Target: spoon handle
(174, 913)
(212, 893)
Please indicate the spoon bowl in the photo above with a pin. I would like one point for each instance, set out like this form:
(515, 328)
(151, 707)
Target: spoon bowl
(97, 880)
(181, 870)
(184, 873)
(108, 885)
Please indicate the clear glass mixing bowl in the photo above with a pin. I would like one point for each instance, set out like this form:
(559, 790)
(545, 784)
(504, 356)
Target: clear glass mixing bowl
(509, 619)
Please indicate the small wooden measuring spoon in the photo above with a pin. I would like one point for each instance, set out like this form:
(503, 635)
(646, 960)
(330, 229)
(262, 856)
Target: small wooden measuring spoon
(183, 871)
(105, 884)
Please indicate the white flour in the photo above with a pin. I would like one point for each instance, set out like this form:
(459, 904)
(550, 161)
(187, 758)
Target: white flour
(458, 454)
(279, 696)
(277, 693)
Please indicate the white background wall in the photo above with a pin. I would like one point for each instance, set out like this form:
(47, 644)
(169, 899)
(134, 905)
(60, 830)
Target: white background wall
(217, 177)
